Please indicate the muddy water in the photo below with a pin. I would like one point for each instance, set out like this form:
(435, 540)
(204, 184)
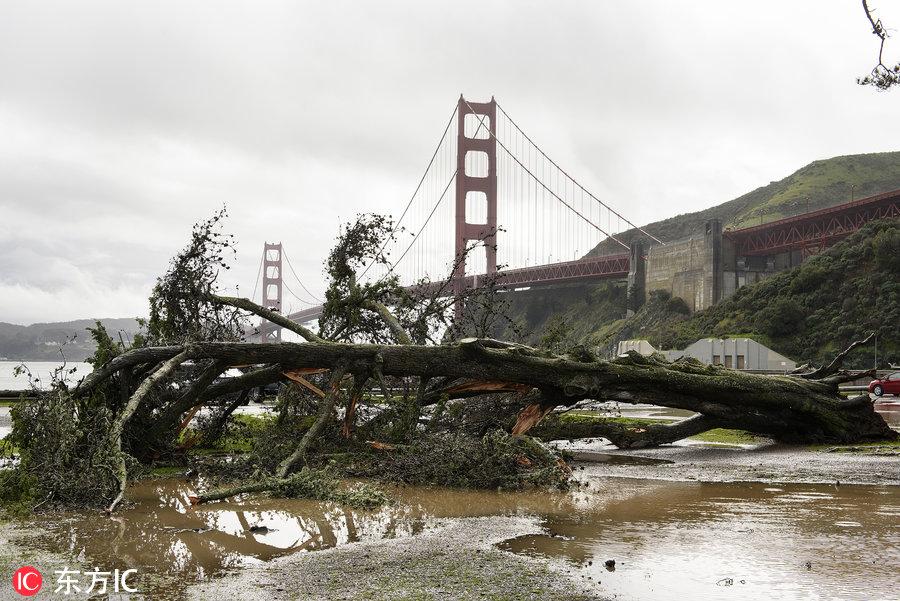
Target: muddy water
(751, 541)
(669, 539)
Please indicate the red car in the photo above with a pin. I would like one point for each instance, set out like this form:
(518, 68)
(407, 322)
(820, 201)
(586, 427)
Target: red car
(886, 385)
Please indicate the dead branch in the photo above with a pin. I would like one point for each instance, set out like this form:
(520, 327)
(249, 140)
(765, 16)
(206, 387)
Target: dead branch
(118, 425)
(326, 406)
(836, 363)
(277, 318)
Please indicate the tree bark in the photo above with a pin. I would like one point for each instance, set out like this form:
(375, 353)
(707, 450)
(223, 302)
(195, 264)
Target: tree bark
(624, 436)
(326, 406)
(277, 318)
(786, 408)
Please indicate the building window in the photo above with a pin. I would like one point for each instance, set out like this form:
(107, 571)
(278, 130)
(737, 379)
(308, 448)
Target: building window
(728, 361)
(740, 362)
(717, 360)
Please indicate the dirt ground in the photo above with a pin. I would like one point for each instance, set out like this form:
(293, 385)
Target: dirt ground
(765, 463)
(455, 560)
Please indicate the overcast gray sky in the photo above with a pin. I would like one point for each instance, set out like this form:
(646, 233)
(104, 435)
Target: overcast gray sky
(124, 122)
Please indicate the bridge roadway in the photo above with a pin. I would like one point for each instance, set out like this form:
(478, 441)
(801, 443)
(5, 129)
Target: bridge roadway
(810, 232)
(588, 268)
(814, 231)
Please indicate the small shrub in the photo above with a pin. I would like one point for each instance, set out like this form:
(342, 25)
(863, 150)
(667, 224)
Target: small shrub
(497, 460)
(18, 493)
(886, 246)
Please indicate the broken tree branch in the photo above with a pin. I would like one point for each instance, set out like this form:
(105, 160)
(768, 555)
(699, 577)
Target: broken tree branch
(277, 318)
(326, 406)
(837, 362)
(118, 425)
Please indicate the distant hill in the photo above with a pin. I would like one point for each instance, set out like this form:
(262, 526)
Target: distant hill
(819, 185)
(42, 341)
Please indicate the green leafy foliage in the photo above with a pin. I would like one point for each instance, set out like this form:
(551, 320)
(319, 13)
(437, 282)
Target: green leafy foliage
(64, 456)
(346, 313)
(565, 314)
(178, 312)
(18, 493)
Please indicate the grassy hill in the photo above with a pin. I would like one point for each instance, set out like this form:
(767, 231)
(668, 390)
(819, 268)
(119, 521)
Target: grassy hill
(808, 313)
(819, 185)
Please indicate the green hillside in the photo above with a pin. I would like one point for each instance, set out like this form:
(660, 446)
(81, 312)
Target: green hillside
(819, 185)
(562, 315)
(808, 313)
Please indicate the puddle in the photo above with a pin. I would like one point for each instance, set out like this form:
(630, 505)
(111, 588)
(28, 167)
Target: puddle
(161, 534)
(687, 540)
(668, 539)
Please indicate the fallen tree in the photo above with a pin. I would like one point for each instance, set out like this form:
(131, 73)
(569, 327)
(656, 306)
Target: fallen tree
(790, 408)
(137, 402)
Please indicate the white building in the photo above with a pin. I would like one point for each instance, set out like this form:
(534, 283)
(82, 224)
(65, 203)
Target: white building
(736, 353)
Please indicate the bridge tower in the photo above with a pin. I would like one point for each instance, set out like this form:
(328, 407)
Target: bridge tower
(471, 188)
(271, 291)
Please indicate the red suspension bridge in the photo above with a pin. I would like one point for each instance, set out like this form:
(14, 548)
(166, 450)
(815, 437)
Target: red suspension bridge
(491, 172)
(450, 228)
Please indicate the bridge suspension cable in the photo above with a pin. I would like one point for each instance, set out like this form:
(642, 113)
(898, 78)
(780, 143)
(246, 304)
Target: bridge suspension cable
(440, 200)
(299, 281)
(258, 274)
(396, 225)
(548, 189)
(294, 294)
(421, 229)
(572, 179)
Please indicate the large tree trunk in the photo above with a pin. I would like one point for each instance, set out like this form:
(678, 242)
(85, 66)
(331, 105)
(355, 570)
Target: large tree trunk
(790, 408)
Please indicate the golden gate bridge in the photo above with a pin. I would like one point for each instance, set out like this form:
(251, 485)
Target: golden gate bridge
(491, 173)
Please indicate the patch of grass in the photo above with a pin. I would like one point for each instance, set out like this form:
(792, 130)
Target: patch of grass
(884, 447)
(628, 422)
(239, 435)
(725, 436)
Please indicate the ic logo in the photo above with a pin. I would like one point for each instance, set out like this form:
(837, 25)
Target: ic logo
(27, 581)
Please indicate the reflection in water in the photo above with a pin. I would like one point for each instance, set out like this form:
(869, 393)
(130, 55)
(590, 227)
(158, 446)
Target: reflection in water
(688, 540)
(668, 538)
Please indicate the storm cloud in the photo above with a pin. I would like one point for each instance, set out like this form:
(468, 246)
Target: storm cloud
(122, 123)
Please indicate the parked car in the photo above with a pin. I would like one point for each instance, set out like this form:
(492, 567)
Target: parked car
(887, 385)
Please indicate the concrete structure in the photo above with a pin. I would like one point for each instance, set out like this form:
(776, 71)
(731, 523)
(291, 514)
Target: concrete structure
(735, 353)
(641, 346)
(689, 268)
(709, 266)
